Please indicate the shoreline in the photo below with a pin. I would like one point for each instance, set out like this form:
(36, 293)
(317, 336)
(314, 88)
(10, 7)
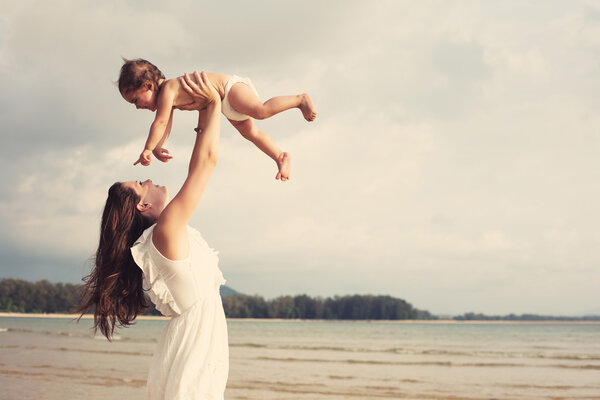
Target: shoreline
(395, 321)
(70, 316)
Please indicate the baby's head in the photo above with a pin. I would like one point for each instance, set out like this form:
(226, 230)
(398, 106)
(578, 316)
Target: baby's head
(137, 73)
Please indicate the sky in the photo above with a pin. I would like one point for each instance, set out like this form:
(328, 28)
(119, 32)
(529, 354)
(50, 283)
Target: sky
(453, 162)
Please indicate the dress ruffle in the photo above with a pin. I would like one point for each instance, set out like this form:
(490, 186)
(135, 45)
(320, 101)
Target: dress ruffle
(158, 292)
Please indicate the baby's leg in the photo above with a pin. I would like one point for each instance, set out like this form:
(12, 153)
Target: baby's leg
(243, 99)
(249, 130)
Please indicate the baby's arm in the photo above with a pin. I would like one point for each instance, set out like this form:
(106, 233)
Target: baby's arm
(165, 135)
(158, 129)
(159, 152)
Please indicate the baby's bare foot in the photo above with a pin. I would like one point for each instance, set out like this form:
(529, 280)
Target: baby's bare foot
(283, 163)
(307, 107)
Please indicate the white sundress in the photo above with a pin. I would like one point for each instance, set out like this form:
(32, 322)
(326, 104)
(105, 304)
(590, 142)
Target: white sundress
(191, 360)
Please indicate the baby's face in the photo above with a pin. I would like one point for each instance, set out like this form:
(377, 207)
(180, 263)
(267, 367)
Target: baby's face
(143, 98)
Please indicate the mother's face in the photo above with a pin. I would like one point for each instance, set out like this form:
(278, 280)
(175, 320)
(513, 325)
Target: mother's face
(153, 198)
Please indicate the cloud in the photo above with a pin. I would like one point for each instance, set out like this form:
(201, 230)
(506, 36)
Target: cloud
(453, 161)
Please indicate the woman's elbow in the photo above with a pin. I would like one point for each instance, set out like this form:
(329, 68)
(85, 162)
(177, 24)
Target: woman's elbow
(213, 158)
(210, 157)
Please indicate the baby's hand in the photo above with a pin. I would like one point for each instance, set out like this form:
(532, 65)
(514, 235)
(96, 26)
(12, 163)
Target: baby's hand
(162, 154)
(145, 158)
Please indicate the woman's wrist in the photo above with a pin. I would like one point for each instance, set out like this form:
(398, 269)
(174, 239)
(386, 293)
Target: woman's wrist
(214, 106)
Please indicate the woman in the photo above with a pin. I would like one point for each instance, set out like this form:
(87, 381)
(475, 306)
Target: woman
(145, 243)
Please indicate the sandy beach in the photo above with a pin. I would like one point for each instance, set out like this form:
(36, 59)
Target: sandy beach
(51, 357)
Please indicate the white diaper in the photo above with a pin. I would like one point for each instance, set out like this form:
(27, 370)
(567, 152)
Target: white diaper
(226, 108)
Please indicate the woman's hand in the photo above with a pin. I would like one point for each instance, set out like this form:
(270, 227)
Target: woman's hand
(200, 88)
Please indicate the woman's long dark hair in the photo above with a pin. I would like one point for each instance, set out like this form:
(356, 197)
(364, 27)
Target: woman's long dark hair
(114, 288)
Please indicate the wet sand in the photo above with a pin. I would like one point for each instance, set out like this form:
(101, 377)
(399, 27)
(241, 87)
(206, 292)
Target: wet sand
(50, 358)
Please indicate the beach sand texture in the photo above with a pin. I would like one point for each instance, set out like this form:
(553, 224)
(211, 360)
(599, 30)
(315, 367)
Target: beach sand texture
(55, 358)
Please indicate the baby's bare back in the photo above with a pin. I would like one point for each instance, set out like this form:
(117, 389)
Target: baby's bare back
(182, 99)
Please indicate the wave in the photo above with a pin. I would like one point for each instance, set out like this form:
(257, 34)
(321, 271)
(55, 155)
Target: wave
(431, 363)
(321, 391)
(85, 376)
(424, 352)
(119, 352)
(79, 350)
(440, 363)
(86, 335)
(404, 391)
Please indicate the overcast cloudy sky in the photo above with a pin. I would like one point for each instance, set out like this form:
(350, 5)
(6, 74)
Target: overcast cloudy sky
(453, 163)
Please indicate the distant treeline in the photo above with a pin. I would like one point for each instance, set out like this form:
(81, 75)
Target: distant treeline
(38, 297)
(523, 317)
(338, 307)
(45, 297)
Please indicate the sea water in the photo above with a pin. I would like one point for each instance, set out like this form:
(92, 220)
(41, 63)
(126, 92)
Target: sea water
(57, 358)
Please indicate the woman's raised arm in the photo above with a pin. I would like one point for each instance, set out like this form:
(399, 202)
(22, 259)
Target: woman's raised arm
(170, 233)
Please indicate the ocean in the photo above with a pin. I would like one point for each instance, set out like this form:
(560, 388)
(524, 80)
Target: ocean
(58, 359)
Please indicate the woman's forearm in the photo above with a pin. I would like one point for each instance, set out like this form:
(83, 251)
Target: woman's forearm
(178, 212)
(206, 148)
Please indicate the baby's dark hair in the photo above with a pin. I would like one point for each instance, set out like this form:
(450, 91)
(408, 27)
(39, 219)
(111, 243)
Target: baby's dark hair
(134, 73)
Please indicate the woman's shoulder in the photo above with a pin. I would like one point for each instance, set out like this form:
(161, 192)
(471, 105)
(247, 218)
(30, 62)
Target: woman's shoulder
(148, 233)
(145, 243)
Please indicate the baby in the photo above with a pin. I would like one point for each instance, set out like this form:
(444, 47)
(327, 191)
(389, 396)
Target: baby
(143, 85)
